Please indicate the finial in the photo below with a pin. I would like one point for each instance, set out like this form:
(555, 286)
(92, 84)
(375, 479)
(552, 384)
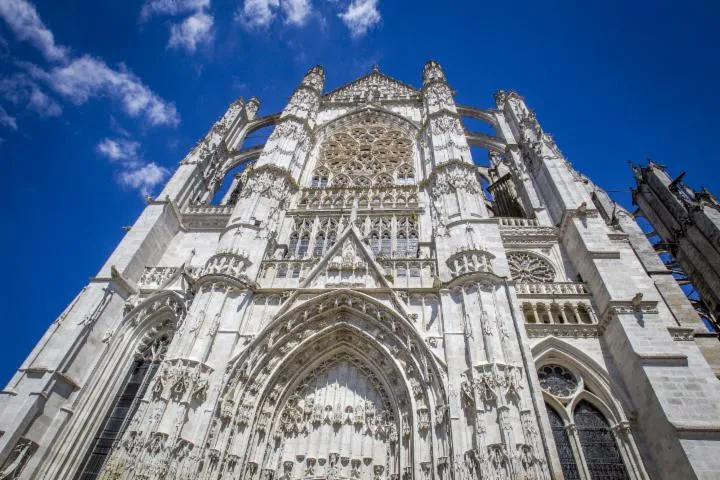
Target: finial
(375, 68)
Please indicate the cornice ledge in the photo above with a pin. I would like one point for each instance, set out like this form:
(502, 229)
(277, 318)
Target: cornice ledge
(629, 307)
(682, 334)
(539, 330)
(582, 211)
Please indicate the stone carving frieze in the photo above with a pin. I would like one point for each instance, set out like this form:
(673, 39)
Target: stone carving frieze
(492, 384)
(269, 182)
(180, 380)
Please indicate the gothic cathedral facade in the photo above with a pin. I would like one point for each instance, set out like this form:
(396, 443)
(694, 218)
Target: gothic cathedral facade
(362, 301)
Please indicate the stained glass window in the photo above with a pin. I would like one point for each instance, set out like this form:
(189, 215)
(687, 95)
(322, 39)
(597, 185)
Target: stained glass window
(598, 443)
(562, 442)
(557, 380)
(124, 406)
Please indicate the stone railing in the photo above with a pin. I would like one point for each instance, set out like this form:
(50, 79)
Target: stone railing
(230, 263)
(470, 260)
(552, 289)
(517, 222)
(208, 209)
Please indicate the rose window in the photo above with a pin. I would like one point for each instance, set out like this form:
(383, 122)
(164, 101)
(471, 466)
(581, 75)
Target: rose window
(369, 152)
(557, 380)
(529, 268)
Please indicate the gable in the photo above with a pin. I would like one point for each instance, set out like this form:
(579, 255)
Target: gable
(373, 87)
(348, 264)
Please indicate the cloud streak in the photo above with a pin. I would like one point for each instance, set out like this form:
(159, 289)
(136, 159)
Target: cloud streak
(6, 120)
(76, 78)
(172, 7)
(134, 172)
(360, 16)
(259, 14)
(24, 21)
(195, 30)
(87, 77)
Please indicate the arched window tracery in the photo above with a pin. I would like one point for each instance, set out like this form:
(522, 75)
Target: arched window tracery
(320, 178)
(564, 448)
(371, 148)
(124, 406)
(584, 427)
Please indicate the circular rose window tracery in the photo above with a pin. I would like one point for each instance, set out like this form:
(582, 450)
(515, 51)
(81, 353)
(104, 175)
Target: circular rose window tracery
(370, 148)
(528, 268)
(557, 380)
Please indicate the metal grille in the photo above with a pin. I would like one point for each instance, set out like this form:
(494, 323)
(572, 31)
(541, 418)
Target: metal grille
(562, 442)
(601, 453)
(124, 407)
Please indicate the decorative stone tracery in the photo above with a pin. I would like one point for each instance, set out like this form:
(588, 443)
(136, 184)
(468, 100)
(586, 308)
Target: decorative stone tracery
(369, 152)
(527, 267)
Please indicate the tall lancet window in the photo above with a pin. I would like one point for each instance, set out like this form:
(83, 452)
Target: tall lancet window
(562, 442)
(581, 426)
(598, 443)
(123, 408)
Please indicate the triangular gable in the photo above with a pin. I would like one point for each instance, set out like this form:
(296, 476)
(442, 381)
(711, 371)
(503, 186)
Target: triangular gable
(348, 264)
(372, 87)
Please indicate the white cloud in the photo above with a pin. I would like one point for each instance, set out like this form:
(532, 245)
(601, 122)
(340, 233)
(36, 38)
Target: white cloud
(119, 150)
(87, 77)
(42, 104)
(361, 16)
(77, 79)
(257, 13)
(25, 22)
(172, 7)
(6, 120)
(134, 172)
(296, 11)
(194, 30)
(20, 89)
(143, 178)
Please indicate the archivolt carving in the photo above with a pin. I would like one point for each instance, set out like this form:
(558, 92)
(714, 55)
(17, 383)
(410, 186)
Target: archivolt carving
(376, 380)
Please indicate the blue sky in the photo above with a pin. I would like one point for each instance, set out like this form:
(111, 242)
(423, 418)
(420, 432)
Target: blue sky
(100, 100)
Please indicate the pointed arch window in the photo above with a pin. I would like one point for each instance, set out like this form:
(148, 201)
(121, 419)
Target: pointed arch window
(562, 442)
(303, 246)
(598, 443)
(319, 245)
(402, 245)
(584, 428)
(124, 406)
(386, 244)
(320, 178)
(375, 242)
(292, 245)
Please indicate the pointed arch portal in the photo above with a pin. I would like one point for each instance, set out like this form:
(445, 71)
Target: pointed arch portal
(339, 387)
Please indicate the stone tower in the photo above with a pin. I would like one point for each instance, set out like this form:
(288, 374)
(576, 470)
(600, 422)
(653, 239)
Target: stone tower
(688, 223)
(357, 299)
